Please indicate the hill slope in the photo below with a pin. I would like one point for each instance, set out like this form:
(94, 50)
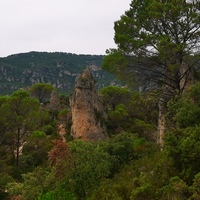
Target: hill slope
(59, 69)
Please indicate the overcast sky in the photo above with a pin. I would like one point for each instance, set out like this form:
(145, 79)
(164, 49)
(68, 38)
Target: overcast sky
(73, 26)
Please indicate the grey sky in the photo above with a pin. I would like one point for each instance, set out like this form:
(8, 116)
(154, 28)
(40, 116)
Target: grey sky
(74, 26)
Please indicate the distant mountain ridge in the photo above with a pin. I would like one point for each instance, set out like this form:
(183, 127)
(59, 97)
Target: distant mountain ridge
(59, 69)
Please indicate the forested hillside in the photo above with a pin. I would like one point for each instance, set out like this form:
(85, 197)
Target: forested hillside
(128, 165)
(59, 69)
(152, 144)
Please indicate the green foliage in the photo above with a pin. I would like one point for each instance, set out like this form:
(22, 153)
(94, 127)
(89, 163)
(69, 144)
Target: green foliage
(153, 42)
(185, 111)
(126, 166)
(113, 96)
(90, 164)
(176, 189)
(188, 114)
(38, 134)
(21, 114)
(194, 93)
(119, 114)
(195, 188)
(63, 113)
(59, 194)
(141, 27)
(35, 151)
(34, 184)
(41, 91)
(47, 196)
(183, 147)
(116, 62)
(5, 178)
(115, 189)
(152, 173)
(130, 111)
(125, 147)
(143, 191)
(25, 69)
(140, 179)
(49, 129)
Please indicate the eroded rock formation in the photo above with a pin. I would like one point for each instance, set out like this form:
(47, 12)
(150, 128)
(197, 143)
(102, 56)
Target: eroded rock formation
(88, 114)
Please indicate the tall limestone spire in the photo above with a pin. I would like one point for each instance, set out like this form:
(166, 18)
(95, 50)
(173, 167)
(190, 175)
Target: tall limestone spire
(88, 114)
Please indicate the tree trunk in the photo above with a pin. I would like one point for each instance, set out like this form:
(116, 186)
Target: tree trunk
(161, 121)
(162, 111)
(18, 145)
(186, 80)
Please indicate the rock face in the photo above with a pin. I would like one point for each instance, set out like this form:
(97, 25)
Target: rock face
(88, 114)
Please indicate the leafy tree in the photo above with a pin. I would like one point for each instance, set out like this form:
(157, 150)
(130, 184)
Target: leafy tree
(143, 113)
(91, 164)
(113, 95)
(41, 91)
(35, 151)
(185, 111)
(5, 139)
(119, 114)
(145, 106)
(183, 147)
(176, 189)
(125, 147)
(142, 178)
(59, 194)
(187, 114)
(34, 184)
(194, 93)
(162, 33)
(63, 115)
(195, 188)
(21, 115)
(158, 41)
(5, 178)
(78, 168)
(130, 111)
(153, 175)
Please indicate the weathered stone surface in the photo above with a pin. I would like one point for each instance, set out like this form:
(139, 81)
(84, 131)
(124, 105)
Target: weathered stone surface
(88, 114)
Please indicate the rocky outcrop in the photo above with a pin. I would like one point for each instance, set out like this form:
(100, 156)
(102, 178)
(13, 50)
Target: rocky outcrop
(88, 114)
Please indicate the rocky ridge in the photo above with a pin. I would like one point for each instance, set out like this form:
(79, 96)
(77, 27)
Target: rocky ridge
(59, 69)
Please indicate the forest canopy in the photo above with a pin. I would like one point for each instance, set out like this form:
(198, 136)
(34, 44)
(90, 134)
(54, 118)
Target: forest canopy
(153, 145)
(158, 46)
